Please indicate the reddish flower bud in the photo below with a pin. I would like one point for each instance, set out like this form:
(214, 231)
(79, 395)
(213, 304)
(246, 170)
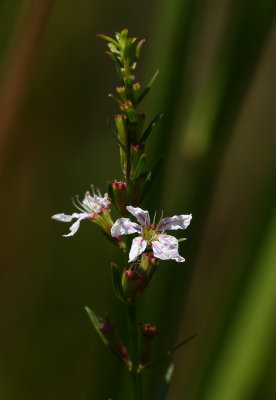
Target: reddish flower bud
(148, 333)
(109, 330)
(121, 90)
(129, 111)
(136, 91)
(120, 195)
(121, 125)
(136, 151)
(133, 283)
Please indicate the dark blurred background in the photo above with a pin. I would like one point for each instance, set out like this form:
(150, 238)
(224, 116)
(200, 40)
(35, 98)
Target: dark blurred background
(216, 88)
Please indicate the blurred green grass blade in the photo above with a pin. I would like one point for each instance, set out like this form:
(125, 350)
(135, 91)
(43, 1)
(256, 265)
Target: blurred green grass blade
(245, 352)
(164, 386)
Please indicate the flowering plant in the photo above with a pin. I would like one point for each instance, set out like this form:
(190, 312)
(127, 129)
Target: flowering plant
(152, 244)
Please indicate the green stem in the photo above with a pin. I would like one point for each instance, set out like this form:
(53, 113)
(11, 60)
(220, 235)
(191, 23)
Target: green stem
(134, 351)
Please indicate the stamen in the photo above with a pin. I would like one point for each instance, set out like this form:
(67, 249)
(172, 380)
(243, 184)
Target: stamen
(83, 206)
(93, 190)
(154, 217)
(92, 206)
(75, 205)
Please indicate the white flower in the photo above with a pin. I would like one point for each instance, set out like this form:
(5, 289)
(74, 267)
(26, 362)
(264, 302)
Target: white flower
(164, 246)
(95, 208)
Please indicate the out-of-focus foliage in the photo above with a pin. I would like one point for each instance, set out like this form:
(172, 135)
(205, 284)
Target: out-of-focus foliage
(217, 91)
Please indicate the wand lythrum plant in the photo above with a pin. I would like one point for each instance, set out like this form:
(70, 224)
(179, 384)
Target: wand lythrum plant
(143, 240)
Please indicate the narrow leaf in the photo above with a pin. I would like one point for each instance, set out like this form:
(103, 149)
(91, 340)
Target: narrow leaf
(151, 176)
(96, 323)
(138, 48)
(151, 126)
(148, 87)
(137, 53)
(113, 49)
(164, 386)
(140, 167)
(109, 39)
(116, 282)
(171, 351)
(115, 59)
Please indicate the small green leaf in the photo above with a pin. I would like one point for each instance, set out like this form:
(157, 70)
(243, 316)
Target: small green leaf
(151, 176)
(137, 53)
(116, 60)
(96, 323)
(117, 282)
(164, 386)
(127, 49)
(151, 126)
(114, 49)
(138, 48)
(140, 167)
(181, 240)
(109, 39)
(148, 87)
(171, 351)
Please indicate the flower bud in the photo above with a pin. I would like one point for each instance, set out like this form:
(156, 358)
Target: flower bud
(120, 121)
(120, 195)
(148, 333)
(136, 151)
(136, 90)
(133, 283)
(110, 332)
(121, 90)
(130, 112)
(148, 265)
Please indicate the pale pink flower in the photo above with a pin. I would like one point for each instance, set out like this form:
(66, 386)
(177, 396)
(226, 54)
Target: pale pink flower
(164, 246)
(94, 208)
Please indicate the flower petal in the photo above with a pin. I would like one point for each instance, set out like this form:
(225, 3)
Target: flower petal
(95, 203)
(141, 215)
(175, 222)
(138, 246)
(73, 228)
(124, 226)
(66, 218)
(166, 248)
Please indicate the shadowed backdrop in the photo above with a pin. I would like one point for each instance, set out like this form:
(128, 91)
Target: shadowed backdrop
(217, 90)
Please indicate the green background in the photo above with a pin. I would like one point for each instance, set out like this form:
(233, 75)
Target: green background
(217, 90)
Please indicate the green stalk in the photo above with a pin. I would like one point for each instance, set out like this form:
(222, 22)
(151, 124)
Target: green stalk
(134, 351)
